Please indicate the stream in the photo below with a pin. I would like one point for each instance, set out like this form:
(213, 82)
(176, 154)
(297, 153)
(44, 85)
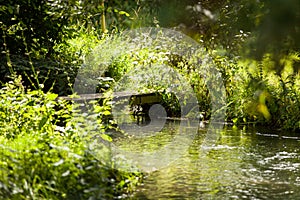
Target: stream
(243, 163)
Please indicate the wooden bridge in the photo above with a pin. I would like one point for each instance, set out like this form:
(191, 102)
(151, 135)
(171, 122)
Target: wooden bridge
(142, 100)
(136, 98)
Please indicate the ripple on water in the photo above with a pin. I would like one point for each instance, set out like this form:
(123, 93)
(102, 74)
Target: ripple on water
(248, 166)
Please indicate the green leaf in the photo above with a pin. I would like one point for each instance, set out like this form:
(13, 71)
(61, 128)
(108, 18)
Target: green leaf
(124, 13)
(234, 120)
(43, 122)
(106, 137)
(106, 113)
(52, 96)
(122, 183)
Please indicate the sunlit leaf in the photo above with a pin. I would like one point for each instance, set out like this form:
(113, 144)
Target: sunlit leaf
(106, 137)
(52, 96)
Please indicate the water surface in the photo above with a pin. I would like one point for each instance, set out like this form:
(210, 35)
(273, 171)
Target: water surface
(242, 164)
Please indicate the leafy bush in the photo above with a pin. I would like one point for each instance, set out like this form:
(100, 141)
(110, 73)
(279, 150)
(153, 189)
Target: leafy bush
(41, 160)
(140, 71)
(56, 74)
(257, 94)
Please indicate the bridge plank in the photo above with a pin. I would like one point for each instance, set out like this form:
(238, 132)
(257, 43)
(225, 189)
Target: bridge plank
(138, 97)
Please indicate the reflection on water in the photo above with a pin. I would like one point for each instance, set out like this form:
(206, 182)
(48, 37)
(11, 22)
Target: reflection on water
(244, 164)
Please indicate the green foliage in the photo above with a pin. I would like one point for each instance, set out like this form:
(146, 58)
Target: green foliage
(249, 27)
(119, 14)
(128, 65)
(255, 92)
(47, 41)
(142, 71)
(41, 160)
(45, 74)
(57, 73)
(73, 50)
(51, 37)
(38, 109)
(28, 27)
(259, 95)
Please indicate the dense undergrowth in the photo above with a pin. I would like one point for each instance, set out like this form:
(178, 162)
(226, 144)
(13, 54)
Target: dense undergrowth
(42, 160)
(256, 94)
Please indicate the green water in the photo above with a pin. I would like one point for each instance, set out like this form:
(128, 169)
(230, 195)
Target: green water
(241, 164)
